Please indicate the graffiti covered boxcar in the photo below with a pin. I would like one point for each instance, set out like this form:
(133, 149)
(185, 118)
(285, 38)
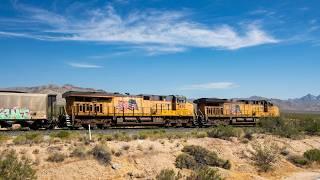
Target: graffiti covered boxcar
(26, 109)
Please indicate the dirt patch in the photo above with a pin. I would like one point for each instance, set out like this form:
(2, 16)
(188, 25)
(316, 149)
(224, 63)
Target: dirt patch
(144, 159)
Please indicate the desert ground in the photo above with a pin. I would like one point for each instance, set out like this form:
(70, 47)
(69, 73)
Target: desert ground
(145, 158)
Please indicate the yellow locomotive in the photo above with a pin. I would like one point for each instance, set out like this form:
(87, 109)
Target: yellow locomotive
(212, 111)
(112, 109)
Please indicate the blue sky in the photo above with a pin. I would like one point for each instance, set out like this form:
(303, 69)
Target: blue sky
(214, 48)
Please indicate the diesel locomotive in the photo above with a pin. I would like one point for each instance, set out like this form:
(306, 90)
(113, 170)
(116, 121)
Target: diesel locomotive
(103, 110)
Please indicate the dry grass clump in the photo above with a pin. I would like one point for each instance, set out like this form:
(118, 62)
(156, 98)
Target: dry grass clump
(3, 138)
(36, 151)
(56, 157)
(28, 138)
(123, 136)
(265, 155)
(168, 174)
(102, 154)
(205, 173)
(126, 147)
(11, 167)
(79, 152)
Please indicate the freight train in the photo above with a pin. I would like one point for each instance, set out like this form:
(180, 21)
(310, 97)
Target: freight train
(103, 110)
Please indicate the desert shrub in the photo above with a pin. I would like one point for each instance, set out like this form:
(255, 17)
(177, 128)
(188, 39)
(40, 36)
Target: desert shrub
(12, 168)
(56, 157)
(135, 137)
(28, 138)
(201, 134)
(311, 126)
(85, 139)
(118, 153)
(166, 174)
(108, 137)
(3, 138)
(298, 160)
(224, 132)
(281, 126)
(248, 134)
(204, 157)
(153, 134)
(121, 137)
(102, 154)
(186, 161)
(312, 155)
(126, 147)
(79, 152)
(61, 135)
(205, 173)
(36, 151)
(284, 152)
(265, 155)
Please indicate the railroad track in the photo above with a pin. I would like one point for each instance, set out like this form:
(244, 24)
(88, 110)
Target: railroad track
(126, 130)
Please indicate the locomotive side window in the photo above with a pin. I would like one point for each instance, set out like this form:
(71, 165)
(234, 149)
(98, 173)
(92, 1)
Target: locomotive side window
(80, 107)
(100, 108)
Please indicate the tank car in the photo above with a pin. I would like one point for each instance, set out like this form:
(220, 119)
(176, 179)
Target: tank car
(27, 109)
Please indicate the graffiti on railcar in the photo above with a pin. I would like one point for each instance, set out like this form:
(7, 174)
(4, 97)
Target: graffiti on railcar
(131, 104)
(14, 113)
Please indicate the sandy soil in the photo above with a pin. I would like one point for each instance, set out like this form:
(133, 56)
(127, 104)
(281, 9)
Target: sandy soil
(146, 158)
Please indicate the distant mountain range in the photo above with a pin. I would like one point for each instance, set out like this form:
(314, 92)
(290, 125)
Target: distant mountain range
(308, 103)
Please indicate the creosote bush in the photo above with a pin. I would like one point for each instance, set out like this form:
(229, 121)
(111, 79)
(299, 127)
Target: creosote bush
(205, 173)
(224, 132)
(186, 161)
(197, 156)
(102, 154)
(264, 156)
(13, 168)
(311, 126)
(79, 152)
(312, 155)
(56, 157)
(281, 127)
(298, 160)
(166, 174)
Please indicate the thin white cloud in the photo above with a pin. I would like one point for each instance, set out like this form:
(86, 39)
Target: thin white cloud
(84, 65)
(210, 86)
(155, 31)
